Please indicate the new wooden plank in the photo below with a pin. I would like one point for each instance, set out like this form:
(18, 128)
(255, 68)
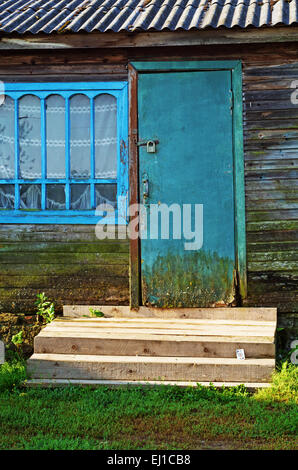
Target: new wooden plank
(66, 366)
(158, 321)
(241, 313)
(143, 335)
(182, 327)
(210, 330)
(150, 346)
(164, 324)
(237, 331)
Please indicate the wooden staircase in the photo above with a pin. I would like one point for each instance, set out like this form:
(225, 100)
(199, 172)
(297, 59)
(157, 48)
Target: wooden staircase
(182, 346)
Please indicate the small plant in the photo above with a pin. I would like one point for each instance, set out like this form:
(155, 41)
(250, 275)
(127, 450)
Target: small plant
(45, 309)
(96, 313)
(18, 339)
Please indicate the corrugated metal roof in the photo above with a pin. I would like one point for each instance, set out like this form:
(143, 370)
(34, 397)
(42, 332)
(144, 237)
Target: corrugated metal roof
(49, 16)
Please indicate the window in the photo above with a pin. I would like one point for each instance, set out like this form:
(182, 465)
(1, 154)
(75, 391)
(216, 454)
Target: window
(63, 151)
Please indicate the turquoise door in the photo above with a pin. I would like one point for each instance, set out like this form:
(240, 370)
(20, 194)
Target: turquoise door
(187, 260)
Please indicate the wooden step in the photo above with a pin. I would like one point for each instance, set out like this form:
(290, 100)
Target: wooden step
(132, 344)
(114, 321)
(178, 345)
(193, 369)
(156, 337)
(228, 328)
(235, 313)
(190, 325)
(199, 331)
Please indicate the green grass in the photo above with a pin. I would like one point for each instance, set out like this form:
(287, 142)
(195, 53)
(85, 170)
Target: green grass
(147, 418)
(12, 374)
(284, 385)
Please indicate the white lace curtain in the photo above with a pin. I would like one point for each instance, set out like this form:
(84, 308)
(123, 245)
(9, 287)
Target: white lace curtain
(105, 123)
(29, 126)
(7, 139)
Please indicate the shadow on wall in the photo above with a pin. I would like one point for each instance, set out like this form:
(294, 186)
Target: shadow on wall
(11, 324)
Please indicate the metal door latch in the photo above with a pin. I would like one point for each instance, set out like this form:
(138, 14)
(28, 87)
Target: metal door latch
(145, 181)
(150, 145)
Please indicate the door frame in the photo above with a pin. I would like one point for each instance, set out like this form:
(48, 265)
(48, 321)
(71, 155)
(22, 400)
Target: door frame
(235, 66)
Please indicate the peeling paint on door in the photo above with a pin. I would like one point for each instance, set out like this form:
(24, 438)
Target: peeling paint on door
(200, 278)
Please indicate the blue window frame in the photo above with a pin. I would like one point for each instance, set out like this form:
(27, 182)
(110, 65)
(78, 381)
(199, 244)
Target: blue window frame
(63, 151)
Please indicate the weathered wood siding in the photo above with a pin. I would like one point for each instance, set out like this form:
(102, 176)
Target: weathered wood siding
(67, 262)
(271, 160)
(271, 163)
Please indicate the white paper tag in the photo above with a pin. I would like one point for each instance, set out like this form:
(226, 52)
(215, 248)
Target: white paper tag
(2, 352)
(240, 354)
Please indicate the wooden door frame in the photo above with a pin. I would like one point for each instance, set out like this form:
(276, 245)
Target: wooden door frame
(134, 68)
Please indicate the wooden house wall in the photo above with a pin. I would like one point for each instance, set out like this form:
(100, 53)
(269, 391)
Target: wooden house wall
(67, 262)
(71, 266)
